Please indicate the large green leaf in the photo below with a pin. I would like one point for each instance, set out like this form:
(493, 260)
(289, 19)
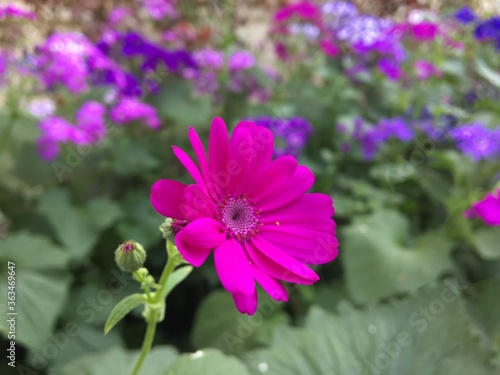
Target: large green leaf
(177, 101)
(484, 305)
(428, 334)
(119, 361)
(141, 221)
(42, 283)
(76, 227)
(379, 263)
(206, 362)
(218, 324)
(487, 242)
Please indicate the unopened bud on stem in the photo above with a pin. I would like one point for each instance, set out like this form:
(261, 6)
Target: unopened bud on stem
(130, 256)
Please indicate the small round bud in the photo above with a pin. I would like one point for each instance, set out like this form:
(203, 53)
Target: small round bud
(166, 228)
(130, 256)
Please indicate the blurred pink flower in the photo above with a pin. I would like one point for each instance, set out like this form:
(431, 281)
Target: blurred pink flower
(487, 209)
(329, 48)
(305, 10)
(253, 213)
(425, 69)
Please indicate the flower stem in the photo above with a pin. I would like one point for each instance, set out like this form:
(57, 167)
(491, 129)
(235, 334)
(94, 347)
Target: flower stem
(146, 344)
(154, 317)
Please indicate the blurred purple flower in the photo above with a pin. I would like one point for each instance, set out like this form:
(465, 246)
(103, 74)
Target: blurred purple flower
(90, 119)
(14, 11)
(338, 13)
(132, 109)
(489, 30)
(390, 68)
(41, 108)
(425, 69)
(159, 9)
(117, 15)
(477, 141)
(241, 60)
(465, 15)
(293, 132)
(209, 58)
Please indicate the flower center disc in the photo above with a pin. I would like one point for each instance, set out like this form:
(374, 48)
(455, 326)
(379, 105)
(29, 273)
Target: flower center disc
(239, 217)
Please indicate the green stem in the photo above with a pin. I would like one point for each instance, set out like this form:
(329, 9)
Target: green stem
(146, 343)
(172, 262)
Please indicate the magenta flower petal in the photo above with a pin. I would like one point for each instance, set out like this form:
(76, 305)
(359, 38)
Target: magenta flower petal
(199, 151)
(231, 264)
(272, 177)
(189, 164)
(218, 154)
(195, 204)
(487, 209)
(279, 264)
(292, 189)
(246, 304)
(312, 203)
(271, 285)
(197, 239)
(263, 140)
(241, 159)
(166, 198)
(312, 222)
(307, 246)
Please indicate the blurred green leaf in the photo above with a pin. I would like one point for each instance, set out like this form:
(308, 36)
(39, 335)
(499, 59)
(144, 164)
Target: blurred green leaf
(218, 324)
(177, 101)
(487, 242)
(42, 283)
(426, 334)
(77, 228)
(206, 362)
(141, 221)
(487, 73)
(122, 308)
(119, 361)
(379, 263)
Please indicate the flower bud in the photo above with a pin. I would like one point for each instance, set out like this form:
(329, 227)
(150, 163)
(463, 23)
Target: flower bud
(166, 229)
(130, 256)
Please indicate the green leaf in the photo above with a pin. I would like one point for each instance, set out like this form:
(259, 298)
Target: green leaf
(176, 277)
(69, 223)
(487, 242)
(42, 283)
(77, 228)
(484, 306)
(205, 362)
(176, 101)
(427, 334)
(379, 263)
(218, 324)
(487, 73)
(119, 361)
(103, 212)
(141, 220)
(75, 340)
(123, 308)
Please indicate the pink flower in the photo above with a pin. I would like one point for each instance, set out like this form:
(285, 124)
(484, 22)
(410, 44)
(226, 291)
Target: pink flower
(329, 48)
(425, 69)
(488, 209)
(305, 10)
(253, 213)
(425, 30)
(132, 109)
